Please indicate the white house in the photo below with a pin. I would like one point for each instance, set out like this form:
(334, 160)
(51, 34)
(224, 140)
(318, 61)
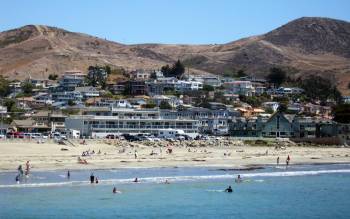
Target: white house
(240, 87)
(271, 105)
(88, 92)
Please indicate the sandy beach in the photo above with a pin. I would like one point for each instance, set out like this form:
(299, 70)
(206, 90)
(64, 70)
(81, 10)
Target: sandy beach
(121, 154)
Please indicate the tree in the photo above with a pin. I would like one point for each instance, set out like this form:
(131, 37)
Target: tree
(164, 105)
(97, 76)
(208, 88)
(153, 75)
(149, 105)
(318, 88)
(176, 70)
(341, 113)
(241, 73)
(108, 69)
(27, 88)
(282, 108)
(4, 86)
(71, 103)
(166, 70)
(277, 76)
(53, 77)
(253, 101)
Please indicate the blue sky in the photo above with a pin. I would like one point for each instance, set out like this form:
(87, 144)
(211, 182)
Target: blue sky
(167, 21)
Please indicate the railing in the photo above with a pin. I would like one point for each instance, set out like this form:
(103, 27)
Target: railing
(139, 127)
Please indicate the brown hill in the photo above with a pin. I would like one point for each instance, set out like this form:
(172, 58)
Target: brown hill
(303, 46)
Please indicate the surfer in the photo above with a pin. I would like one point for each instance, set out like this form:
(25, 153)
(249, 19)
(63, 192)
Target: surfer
(96, 181)
(116, 191)
(136, 180)
(92, 178)
(166, 182)
(17, 178)
(239, 179)
(229, 189)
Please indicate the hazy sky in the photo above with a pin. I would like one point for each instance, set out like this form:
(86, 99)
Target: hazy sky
(167, 21)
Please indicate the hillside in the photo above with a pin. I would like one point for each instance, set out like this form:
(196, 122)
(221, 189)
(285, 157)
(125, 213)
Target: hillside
(303, 46)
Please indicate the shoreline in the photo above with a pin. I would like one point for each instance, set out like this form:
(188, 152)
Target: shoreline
(247, 167)
(49, 156)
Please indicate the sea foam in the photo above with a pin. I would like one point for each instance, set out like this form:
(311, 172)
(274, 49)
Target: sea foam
(172, 179)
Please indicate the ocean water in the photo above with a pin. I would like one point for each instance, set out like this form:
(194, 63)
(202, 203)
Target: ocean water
(303, 191)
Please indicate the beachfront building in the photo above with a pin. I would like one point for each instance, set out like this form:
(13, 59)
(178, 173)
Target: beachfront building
(140, 75)
(281, 125)
(119, 120)
(244, 88)
(173, 101)
(160, 85)
(211, 121)
(88, 92)
(67, 96)
(184, 86)
(72, 79)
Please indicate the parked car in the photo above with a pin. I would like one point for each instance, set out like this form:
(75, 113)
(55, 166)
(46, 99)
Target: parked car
(110, 136)
(129, 137)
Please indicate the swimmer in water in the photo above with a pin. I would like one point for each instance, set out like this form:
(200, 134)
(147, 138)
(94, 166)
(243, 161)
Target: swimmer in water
(68, 175)
(92, 178)
(116, 191)
(136, 180)
(239, 179)
(96, 181)
(166, 182)
(17, 179)
(229, 189)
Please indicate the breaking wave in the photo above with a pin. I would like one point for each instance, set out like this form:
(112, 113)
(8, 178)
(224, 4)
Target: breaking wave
(178, 178)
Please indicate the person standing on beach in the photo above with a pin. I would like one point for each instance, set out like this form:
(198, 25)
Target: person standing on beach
(287, 160)
(278, 161)
(135, 154)
(27, 167)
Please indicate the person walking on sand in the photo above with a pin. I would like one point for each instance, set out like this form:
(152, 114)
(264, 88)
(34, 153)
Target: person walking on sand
(135, 154)
(27, 167)
(278, 161)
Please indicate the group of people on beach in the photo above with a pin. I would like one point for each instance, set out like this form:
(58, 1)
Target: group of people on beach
(89, 153)
(22, 173)
(287, 161)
